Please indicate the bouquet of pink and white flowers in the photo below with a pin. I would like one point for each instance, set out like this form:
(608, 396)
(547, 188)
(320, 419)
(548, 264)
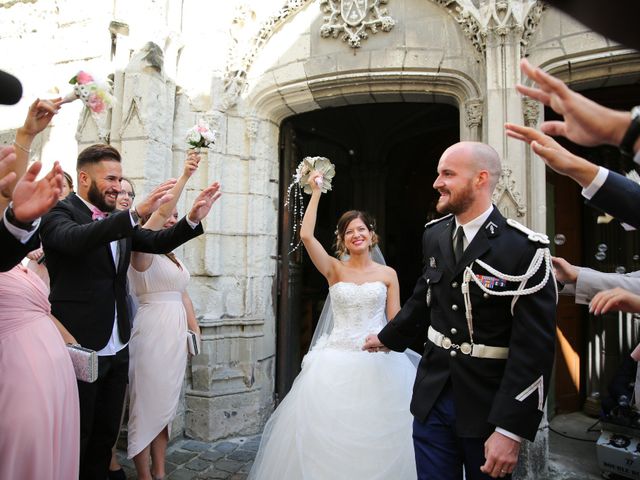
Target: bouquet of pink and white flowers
(95, 95)
(201, 135)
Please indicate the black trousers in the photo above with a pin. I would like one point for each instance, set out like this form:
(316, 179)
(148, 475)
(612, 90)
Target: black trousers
(100, 410)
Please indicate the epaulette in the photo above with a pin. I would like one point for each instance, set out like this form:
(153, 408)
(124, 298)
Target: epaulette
(436, 220)
(531, 235)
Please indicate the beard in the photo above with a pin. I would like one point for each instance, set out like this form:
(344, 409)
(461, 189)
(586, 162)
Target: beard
(458, 204)
(98, 199)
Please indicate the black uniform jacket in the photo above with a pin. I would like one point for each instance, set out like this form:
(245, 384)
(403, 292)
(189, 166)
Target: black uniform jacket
(86, 286)
(484, 389)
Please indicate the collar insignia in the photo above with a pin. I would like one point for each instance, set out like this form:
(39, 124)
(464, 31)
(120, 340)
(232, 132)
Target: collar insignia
(492, 227)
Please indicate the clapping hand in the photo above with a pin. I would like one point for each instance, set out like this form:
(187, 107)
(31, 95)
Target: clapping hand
(585, 122)
(7, 159)
(616, 299)
(158, 196)
(553, 154)
(204, 201)
(31, 198)
(39, 116)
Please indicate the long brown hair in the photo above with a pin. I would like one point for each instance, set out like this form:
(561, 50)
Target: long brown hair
(343, 223)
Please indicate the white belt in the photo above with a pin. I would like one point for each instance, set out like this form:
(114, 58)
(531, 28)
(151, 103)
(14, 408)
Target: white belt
(472, 349)
(160, 297)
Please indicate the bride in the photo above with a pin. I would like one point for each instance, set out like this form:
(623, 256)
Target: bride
(347, 414)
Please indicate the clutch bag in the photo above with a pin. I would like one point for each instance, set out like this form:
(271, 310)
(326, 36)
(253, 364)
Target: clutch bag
(85, 363)
(193, 342)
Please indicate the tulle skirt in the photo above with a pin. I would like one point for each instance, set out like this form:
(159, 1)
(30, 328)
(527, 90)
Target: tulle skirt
(346, 417)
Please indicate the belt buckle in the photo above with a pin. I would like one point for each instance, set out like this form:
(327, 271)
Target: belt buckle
(446, 343)
(466, 348)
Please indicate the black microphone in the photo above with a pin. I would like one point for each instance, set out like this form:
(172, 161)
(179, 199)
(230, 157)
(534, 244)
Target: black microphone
(10, 89)
(40, 260)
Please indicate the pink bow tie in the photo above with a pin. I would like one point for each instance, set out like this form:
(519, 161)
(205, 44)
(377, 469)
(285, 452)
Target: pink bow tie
(97, 214)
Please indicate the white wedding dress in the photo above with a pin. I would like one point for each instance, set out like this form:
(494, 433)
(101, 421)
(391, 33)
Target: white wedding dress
(347, 414)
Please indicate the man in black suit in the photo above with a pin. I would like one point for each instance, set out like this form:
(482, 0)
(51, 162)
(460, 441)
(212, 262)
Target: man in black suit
(486, 301)
(21, 218)
(87, 262)
(31, 198)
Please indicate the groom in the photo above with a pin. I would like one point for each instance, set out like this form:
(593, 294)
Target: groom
(88, 246)
(482, 382)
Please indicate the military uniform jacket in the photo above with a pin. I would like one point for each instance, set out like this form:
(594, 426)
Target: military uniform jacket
(488, 393)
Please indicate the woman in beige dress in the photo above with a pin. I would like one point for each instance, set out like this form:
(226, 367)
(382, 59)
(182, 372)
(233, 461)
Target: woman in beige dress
(158, 344)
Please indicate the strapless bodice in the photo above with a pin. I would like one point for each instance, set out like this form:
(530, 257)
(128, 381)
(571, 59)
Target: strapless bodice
(358, 310)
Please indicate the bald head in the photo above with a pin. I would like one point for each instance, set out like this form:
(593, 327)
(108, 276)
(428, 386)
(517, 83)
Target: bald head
(479, 156)
(468, 172)
(486, 158)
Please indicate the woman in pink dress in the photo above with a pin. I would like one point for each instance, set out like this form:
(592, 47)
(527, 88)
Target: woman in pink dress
(40, 421)
(40, 424)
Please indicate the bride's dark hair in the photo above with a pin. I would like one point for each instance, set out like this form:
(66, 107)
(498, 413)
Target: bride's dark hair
(343, 223)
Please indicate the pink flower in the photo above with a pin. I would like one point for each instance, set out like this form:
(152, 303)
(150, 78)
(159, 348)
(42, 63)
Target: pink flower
(84, 78)
(95, 104)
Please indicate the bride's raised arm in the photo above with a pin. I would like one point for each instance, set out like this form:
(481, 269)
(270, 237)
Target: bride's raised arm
(324, 262)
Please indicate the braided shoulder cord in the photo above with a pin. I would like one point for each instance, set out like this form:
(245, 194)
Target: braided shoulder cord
(540, 255)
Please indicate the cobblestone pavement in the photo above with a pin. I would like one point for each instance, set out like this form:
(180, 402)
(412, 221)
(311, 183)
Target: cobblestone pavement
(191, 459)
(232, 458)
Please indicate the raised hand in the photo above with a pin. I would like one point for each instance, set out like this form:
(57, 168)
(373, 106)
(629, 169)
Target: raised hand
(31, 198)
(191, 163)
(614, 300)
(554, 155)
(585, 122)
(158, 196)
(7, 159)
(39, 116)
(204, 201)
(315, 181)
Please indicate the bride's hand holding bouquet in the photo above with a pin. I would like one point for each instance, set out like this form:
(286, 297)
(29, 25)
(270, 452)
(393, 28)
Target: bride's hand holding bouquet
(315, 182)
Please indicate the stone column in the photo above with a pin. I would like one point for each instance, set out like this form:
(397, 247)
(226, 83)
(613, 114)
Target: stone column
(473, 113)
(503, 53)
(146, 125)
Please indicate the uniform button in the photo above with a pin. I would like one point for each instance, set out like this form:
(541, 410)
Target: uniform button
(454, 285)
(425, 345)
(485, 295)
(453, 353)
(454, 307)
(454, 331)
